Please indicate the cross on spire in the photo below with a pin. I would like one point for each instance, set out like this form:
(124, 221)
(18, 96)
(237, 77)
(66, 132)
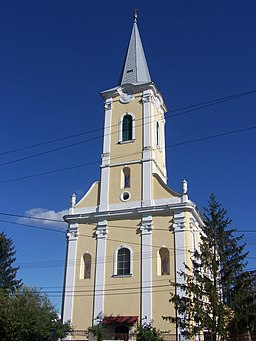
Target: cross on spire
(135, 15)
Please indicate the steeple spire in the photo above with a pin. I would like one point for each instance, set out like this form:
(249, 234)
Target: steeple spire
(135, 68)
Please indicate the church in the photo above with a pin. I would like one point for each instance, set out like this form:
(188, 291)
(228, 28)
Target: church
(130, 234)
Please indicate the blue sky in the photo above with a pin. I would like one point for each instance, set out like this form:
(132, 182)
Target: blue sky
(55, 59)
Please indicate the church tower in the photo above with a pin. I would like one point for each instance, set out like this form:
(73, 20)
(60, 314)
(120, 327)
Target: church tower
(130, 233)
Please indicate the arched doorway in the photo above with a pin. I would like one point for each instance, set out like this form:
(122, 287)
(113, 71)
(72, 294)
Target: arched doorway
(122, 333)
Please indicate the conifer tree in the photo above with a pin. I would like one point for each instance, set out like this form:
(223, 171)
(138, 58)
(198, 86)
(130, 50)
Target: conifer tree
(229, 247)
(203, 299)
(243, 304)
(8, 272)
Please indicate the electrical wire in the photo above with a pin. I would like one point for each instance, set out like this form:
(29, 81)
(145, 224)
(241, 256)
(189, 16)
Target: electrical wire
(131, 154)
(200, 105)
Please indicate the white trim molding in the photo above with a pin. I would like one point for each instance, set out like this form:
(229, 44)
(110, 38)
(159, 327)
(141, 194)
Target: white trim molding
(101, 236)
(179, 227)
(107, 126)
(68, 298)
(146, 269)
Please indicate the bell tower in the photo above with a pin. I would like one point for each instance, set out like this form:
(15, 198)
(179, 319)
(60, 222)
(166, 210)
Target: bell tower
(134, 138)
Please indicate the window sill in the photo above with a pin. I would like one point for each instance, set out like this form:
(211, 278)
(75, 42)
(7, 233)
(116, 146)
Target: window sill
(122, 276)
(124, 142)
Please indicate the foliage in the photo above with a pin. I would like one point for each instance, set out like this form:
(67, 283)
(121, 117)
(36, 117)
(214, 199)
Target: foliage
(147, 332)
(230, 249)
(97, 331)
(243, 298)
(8, 272)
(202, 297)
(26, 315)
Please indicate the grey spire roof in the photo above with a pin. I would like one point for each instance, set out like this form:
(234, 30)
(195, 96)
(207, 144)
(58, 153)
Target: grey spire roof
(135, 68)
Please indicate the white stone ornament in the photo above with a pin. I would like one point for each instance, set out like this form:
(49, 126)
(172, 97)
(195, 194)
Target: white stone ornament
(126, 98)
(73, 200)
(184, 187)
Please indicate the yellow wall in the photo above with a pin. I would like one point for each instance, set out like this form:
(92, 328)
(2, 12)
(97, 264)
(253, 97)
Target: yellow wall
(162, 237)
(91, 198)
(160, 190)
(132, 150)
(122, 296)
(115, 183)
(83, 300)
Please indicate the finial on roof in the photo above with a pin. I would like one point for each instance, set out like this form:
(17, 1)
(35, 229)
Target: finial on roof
(135, 15)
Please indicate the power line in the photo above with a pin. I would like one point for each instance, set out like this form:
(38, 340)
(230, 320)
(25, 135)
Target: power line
(163, 279)
(168, 115)
(50, 172)
(48, 151)
(31, 217)
(49, 141)
(253, 230)
(32, 226)
(200, 105)
(118, 157)
(80, 234)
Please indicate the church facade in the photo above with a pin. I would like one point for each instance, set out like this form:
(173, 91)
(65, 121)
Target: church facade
(130, 234)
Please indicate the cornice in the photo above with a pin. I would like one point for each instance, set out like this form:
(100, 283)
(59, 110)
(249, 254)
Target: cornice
(95, 216)
(133, 89)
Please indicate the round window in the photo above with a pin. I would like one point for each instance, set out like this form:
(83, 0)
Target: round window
(125, 196)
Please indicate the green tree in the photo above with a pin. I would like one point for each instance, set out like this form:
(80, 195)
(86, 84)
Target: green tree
(243, 298)
(230, 249)
(26, 315)
(97, 331)
(8, 272)
(147, 332)
(202, 300)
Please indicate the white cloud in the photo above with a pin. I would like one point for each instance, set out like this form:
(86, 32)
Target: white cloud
(45, 217)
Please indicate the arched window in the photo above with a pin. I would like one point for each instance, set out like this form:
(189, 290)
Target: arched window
(87, 265)
(126, 177)
(123, 261)
(157, 134)
(164, 262)
(127, 128)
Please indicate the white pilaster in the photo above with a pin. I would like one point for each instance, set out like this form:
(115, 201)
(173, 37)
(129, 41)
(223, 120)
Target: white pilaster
(146, 99)
(107, 126)
(147, 148)
(180, 251)
(105, 158)
(100, 271)
(193, 231)
(104, 186)
(163, 149)
(69, 289)
(146, 269)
